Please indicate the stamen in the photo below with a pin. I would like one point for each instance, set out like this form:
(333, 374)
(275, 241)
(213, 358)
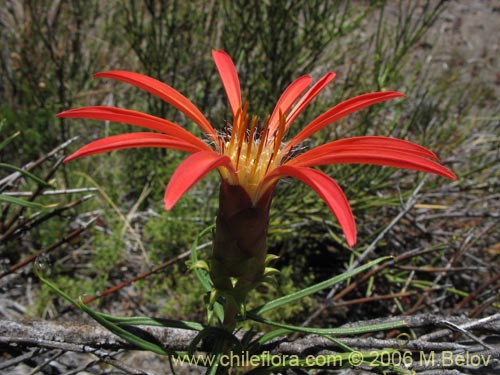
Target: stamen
(226, 131)
(254, 149)
(266, 129)
(241, 137)
(250, 137)
(233, 132)
(281, 132)
(269, 162)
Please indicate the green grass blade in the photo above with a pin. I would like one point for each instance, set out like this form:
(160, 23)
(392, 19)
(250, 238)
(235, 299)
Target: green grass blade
(343, 331)
(25, 174)
(274, 304)
(200, 273)
(9, 139)
(133, 320)
(108, 321)
(272, 335)
(20, 202)
(219, 347)
(38, 273)
(147, 321)
(124, 334)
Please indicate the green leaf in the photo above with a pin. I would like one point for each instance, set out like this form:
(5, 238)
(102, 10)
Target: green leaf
(342, 331)
(272, 335)
(219, 347)
(270, 271)
(199, 264)
(202, 275)
(9, 139)
(124, 334)
(270, 258)
(133, 320)
(271, 305)
(147, 321)
(109, 321)
(20, 202)
(25, 174)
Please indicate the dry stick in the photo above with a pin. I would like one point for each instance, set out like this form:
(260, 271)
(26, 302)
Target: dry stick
(416, 306)
(126, 222)
(474, 294)
(459, 215)
(468, 334)
(408, 255)
(305, 343)
(80, 369)
(468, 242)
(408, 206)
(478, 310)
(377, 298)
(404, 289)
(120, 365)
(91, 337)
(46, 362)
(439, 269)
(364, 278)
(31, 222)
(50, 192)
(19, 359)
(471, 324)
(31, 258)
(134, 279)
(31, 165)
(9, 226)
(85, 337)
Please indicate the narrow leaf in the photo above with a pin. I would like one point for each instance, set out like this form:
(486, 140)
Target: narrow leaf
(282, 301)
(9, 139)
(20, 202)
(342, 331)
(201, 275)
(124, 334)
(25, 174)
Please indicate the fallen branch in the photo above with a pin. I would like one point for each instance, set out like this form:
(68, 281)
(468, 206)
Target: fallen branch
(90, 337)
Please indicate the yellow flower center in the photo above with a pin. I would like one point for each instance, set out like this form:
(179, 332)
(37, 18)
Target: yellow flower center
(254, 152)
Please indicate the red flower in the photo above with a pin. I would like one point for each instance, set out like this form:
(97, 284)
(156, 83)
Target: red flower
(254, 156)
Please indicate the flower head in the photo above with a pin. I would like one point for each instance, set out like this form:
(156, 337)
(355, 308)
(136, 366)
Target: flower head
(252, 153)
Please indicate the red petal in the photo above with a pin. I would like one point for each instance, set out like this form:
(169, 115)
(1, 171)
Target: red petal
(385, 157)
(363, 143)
(340, 110)
(289, 96)
(134, 118)
(308, 97)
(132, 140)
(190, 171)
(328, 190)
(229, 77)
(164, 92)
